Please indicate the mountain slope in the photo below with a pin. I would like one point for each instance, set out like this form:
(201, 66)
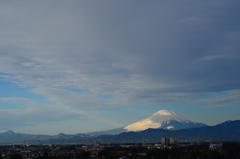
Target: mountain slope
(227, 131)
(108, 132)
(11, 137)
(163, 119)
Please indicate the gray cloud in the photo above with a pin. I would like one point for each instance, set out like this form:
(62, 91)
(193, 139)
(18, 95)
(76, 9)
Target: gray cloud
(214, 101)
(31, 113)
(216, 106)
(137, 53)
(74, 100)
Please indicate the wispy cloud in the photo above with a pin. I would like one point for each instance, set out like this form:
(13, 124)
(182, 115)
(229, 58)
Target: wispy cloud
(128, 60)
(216, 106)
(13, 99)
(213, 57)
(148, 53)
(32, 113)
(74, 100)
(230, 99)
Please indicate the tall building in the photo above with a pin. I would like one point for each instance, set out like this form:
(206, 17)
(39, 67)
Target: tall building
(173, 140)
(165, 141)
(169, 141)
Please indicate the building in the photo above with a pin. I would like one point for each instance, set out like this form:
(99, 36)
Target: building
(169, 141)
(165, 141)
(173, 140)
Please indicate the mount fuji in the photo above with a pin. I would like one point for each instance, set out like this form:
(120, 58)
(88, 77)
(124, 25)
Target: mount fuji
(163, 119)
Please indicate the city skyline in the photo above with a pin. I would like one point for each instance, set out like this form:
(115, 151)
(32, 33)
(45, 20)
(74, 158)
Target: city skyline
(84, 66)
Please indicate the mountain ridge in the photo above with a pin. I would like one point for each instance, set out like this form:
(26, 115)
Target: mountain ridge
(226, 131)
(165, 119)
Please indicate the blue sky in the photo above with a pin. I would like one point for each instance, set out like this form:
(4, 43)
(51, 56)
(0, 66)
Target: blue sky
(82, 66)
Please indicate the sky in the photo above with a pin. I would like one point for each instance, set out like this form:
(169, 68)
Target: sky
(83, 66)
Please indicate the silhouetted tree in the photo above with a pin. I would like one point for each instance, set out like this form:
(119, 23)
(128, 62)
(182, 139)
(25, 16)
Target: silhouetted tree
(16, 156)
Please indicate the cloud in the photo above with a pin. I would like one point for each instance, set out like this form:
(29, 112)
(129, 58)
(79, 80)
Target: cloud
(216, 106)
(74, 100)
(212, 57)
(230, 99)
(136, 53)
(219, 100)
(12, 99)
(32, 113)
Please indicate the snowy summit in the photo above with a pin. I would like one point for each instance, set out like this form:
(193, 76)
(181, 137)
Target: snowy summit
(164, 119)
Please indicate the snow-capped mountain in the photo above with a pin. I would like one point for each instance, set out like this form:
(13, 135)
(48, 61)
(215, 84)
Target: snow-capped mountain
(163, 119)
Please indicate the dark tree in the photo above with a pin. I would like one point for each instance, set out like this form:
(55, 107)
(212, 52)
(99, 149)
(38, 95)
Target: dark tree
(16, 156)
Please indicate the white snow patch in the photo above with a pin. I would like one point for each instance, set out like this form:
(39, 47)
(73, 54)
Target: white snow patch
(142, 125)
(158, 120)
(170, 127)
(164, 112)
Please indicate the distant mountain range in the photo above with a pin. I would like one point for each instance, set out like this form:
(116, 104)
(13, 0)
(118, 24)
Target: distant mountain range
(163, 119)
(164, 123)
(12, 137)
(227, 131)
